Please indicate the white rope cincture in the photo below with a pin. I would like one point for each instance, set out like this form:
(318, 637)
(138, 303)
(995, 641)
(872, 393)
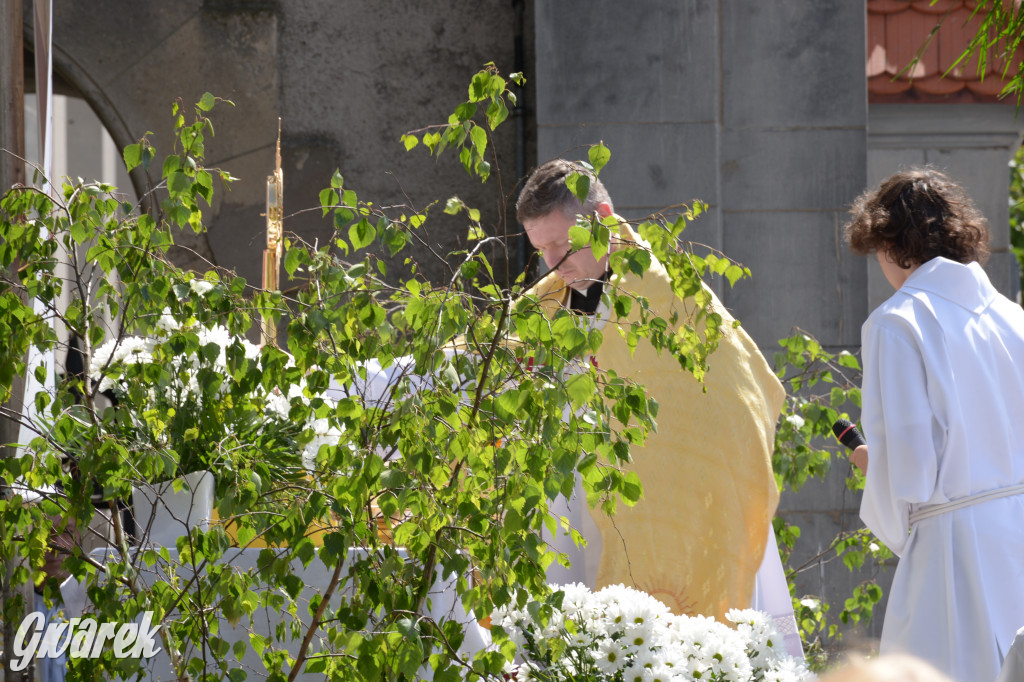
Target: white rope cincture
(931, 510)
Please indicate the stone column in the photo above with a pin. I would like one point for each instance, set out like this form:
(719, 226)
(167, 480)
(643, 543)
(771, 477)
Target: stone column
(642, 77)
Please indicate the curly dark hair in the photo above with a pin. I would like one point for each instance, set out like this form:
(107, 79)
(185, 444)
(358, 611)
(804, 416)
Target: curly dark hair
(916, 215)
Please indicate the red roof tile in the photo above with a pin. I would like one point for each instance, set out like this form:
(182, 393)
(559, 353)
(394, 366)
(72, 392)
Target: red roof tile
(896, 31)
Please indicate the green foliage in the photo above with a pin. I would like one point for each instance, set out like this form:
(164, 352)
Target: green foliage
(430, 477)
(821, 386)
(1000, 30)
(1017, 209)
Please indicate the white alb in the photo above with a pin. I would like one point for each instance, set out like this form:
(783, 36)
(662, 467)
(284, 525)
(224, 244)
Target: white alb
(943, 414)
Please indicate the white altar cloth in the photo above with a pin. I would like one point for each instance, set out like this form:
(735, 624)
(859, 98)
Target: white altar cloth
(442, 602)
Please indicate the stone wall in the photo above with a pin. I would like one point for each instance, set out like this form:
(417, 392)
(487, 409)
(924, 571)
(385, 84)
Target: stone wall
(348, 78)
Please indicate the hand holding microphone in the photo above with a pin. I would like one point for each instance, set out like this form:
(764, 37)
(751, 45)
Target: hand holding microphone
(848, 434)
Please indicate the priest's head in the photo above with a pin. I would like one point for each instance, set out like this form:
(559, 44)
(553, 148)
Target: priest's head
(548, 209)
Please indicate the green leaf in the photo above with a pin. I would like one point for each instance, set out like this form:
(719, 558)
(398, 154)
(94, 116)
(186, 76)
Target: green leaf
(601, 239)
(464, 112)
(581, 388)
(478, 87)
(410, 141)
(453, 205)
(245, 535)
(206, 102)
(132, 156)
(361, 234)
(579, 185)
(328, 198)
(599, 156)
(479, 138)
(432, 140)
(497, 112)
(579, 237)
(847, 359)
(734, 273)
(204, 185)
(178, 183)
(292, 259)
(79, 231)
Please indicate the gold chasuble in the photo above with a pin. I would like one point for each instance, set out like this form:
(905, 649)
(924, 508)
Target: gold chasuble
(696, 538)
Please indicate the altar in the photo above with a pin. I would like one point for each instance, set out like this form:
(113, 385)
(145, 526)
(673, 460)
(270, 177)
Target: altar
(442, 603)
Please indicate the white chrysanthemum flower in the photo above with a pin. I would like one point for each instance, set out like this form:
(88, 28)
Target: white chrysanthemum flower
(614, 594)
(614, 619)
(219, 335)
(278, 405)
(554, 627)
(527, 672)
(764, 644)
(660, 672)
(638, 635)
(511, 621)
(673, 655)
(594, 622)
(647, 657)
(129, 350)
(640, 610)
(580, 639)
(609, 657)
(695, 668)
(324, 434)
(575, 600)
(629, 635)
(732, 661)
(788, 670)
(167, 323)
(200, 287)
(635, 673)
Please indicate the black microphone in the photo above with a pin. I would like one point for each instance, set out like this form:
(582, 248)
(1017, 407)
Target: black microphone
(847, 433)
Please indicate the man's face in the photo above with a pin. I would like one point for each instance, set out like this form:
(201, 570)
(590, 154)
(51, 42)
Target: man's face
(549, 234)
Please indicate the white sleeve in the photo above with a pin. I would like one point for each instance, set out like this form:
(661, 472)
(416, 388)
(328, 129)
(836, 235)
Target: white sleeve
(897, 417)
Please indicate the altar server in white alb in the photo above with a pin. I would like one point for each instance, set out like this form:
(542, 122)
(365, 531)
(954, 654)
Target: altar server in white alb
(943, 414)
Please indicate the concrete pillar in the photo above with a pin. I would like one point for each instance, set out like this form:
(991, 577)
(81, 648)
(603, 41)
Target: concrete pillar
(643, 78)
(793, 131)
(759, 109)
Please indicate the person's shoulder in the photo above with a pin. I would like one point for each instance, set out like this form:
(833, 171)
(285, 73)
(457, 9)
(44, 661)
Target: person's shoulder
(900, 313)
(901, 305)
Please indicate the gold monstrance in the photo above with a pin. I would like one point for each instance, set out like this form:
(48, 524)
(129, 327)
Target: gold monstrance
(272, 254)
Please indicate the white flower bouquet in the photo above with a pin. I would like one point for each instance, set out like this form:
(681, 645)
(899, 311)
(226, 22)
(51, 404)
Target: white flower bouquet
(619, 634)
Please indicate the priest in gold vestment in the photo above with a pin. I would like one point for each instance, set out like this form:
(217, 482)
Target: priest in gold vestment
(697, 537)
